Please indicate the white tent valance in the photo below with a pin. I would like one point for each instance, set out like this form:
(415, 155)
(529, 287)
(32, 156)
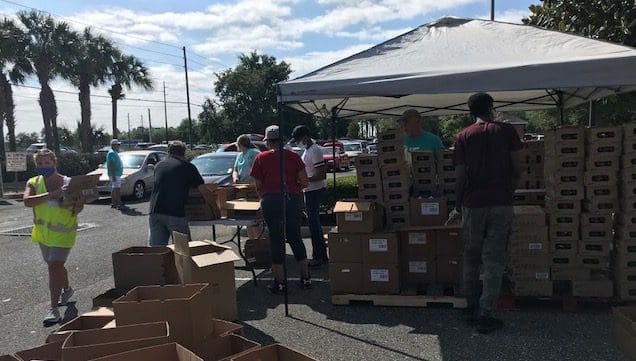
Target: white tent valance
(435, 67)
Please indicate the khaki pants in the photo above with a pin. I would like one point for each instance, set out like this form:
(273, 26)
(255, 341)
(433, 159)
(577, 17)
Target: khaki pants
(486, 234)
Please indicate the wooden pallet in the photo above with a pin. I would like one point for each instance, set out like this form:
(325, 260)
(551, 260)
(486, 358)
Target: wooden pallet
(400, 300)
(564, 303)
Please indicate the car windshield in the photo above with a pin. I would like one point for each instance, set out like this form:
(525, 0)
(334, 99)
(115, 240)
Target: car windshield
(354, 147)
(211, 166)
(132, 161)
(329, 150)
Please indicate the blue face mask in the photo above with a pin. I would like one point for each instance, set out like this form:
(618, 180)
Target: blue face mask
(45, 171)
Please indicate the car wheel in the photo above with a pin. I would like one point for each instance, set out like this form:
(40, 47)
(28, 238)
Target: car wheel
(139, 190)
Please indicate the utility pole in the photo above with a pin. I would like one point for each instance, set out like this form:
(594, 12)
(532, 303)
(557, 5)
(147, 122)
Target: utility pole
(149, 127)
(165, 110)
(142, 127)
(129, 135)
(492, 10)
(185, 64)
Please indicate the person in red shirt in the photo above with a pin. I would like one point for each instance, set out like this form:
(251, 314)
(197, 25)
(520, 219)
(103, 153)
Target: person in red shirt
(488, 168)
(266, 172)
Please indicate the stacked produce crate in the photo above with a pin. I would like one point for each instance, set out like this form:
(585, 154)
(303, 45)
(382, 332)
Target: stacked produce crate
(531, 186)
(396, 178)
(424, 173)
(446, 175)
(369, 178)
(625, 255)
(529, 262)
(564, 169)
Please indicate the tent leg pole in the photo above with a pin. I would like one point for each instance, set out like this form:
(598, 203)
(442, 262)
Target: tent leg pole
(283, 196)
(333, 145)
(591, 114)
(561, 109)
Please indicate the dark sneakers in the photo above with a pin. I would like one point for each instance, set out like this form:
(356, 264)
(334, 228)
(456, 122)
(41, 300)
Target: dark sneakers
(486, 325)
(276, 288)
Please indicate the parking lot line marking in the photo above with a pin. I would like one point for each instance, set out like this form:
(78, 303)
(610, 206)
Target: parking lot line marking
(271, 279)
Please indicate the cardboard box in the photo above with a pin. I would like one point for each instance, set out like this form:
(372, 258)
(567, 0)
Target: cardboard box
(626, 290)
(628, 161)
(604, 148)
(565, 192)
(219, 328)
(418, 244)
(593, 262)
(628, 190)
(626, 233)
(596, 219)
(533, 288)
(212, 263)
(390, 136)
(557, 165)
(424, 171)
(274, 353)
(445, 157)
(604, 135)
(9, 358)
(597, 178)
(528, 243)
(564, 234)
(380, 248)
(449, 242)
(224, 348)
(346, 278)
(629, 146)
(80, 323)
(381, 279)
(367, 161)
(391, 159)
(371, 192)
(396, 172)
(243, 209)
(186, 308)
(371, 196)
(393, 184)
(626, 248)
(200, 212)
(390, 147)
(563, 206)
(92, 344)
(81, 187)
(564, 220)
(566, 176)
(596, 249)
(396, 195)
(597, 289)
(449, 270)
(624, 327)
(345, 248)
(629, 131)
(602, 205)
(627, 205)
(563, 260)
(564, 247)
(597, 234)
(603, 162)
(525, 267)
(428, 211)
(356, 216)
(566, 150)
(569, 273)
(565, 134)
(369, 174)
(625, 262)
(50, 352)
(166, 352)
(529, 197)
(106, 299)
(423, 158)
(447, 178)
(398, 216)
(258, 251)
(424, 187)
(143, 266)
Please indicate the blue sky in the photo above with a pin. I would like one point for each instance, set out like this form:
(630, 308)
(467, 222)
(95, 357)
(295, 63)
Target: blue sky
(306, 33)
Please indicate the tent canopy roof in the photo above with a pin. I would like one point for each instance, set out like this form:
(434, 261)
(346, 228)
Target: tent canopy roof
(435, 67)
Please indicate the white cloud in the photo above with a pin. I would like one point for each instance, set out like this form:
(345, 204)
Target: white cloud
(508, 16)
(311, 61)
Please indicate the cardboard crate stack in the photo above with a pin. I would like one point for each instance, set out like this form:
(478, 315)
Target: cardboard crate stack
(446, 175)
(625, 254)
(154, 320)
(396, 178)
(424, 174)
(369, 178)
(529, 254)
(531, 187)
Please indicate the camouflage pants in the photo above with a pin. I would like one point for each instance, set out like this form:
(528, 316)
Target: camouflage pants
(486, 233)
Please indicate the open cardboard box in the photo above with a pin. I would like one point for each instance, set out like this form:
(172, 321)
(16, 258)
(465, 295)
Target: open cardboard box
(80, 323)
(224, 348)
(81, 186)
(166, 352)
(274, 353)
(212, 263)
(91, 344)
(242, 208)
(49, 352)
(9, 358)
(143, 266)
(356, 216)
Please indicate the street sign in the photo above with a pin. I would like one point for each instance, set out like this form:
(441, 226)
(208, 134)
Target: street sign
(16, 162)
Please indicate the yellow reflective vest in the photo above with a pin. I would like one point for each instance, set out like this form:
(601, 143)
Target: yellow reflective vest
(53, 225)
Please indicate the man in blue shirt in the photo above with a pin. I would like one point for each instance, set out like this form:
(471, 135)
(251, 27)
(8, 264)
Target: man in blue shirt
(115, 170)
(416, 138)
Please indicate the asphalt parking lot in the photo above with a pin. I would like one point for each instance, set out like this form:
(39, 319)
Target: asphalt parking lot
(315, 326)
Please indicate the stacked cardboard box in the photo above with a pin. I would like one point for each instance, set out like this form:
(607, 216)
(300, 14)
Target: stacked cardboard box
(624, 329)
(369, 178)
(529, 262)
(396, 178)
(531, 187)
(424, 173)
(564, 171)
(625, 255)
(446, 175)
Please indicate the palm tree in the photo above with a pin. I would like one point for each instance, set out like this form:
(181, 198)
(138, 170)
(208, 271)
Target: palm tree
(50, 43)
(89, 66)
(127, 71)
(14, 66)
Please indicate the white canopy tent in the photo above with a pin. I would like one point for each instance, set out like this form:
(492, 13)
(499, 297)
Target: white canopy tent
(435, 67)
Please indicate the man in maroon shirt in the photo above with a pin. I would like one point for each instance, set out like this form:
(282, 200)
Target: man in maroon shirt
(488, 168)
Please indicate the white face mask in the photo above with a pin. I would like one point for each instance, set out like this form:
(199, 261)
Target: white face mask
(302, 145)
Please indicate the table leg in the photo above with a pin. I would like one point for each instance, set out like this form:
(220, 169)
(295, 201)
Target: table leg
(214, 233)
(247, 262)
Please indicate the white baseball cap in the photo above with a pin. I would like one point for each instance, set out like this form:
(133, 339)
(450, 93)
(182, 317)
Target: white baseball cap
(115, 142)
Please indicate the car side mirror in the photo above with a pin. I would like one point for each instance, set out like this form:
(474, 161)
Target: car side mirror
(150, 167)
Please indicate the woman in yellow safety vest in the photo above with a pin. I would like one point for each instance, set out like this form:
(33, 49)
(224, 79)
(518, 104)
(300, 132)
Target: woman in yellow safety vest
(55, 226)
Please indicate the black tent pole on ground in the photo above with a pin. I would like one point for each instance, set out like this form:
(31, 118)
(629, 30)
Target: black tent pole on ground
(283, 190)
(334, 116)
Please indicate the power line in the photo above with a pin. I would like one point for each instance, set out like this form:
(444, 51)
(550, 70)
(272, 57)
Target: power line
(92, 103)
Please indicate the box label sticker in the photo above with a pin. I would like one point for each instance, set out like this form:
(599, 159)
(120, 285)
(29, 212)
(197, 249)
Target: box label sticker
(430, 209)
(378, 245)
(345, 270)
(535, 246)
(417, 238)
(353, 217)
(417, 267)
(379, 275)
(542, 275)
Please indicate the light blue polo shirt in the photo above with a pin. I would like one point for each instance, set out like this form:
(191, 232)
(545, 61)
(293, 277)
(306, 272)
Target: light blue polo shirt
(243, 164)
(427, 142)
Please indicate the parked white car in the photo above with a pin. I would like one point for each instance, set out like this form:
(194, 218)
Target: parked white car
(139, 173)
(354, 149)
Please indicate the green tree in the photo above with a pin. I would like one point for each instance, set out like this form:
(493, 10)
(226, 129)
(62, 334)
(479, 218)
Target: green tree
(247, 93)
(67, 137)
(24, 140)
(353, 130)
(386, 124)
(14, 66)
(50, 44)
(451, 125)
(89, 66)
(126, 71)
(214, 126)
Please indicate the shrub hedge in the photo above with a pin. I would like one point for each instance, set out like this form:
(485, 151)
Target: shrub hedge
(346, 188)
